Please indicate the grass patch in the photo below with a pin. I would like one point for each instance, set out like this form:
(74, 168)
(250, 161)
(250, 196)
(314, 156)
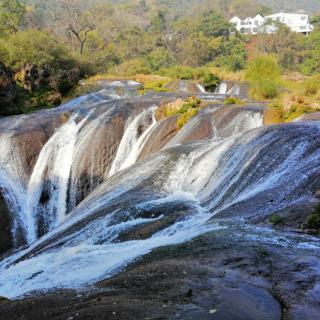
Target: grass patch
(153, 83)
(185, 110)
(273, 114)
(232, 100)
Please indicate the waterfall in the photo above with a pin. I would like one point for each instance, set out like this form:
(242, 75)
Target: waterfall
(13, 182)
(85, 152)
(201, 88)
(205, 177)
(222, 88)
(50, 178)
(136, 134)
(236, 121)
(88, 207)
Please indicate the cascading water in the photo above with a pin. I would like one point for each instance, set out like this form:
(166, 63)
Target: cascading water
(222, 88)
(13, 183)
(240, 167)
(188, 174)
(50, 178)
(135, 135)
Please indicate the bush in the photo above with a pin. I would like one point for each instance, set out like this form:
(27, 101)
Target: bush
(210, 81)
(263, 76)
(276, 219)
(313, 221)
(186, 116)
(184, 109)
(158, 59)
(36, 47)
(232, 100)
(296, 111)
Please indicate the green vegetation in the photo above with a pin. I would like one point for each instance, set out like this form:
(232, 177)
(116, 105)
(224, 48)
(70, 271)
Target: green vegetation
(11, 15)
(263, 75)
(153, 83)
(232, 100)
(276, 219)
(313, 221)
(188, 110)
(204, 75)
(184, 110)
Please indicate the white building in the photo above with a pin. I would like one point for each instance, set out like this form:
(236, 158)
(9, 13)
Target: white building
(296, 22)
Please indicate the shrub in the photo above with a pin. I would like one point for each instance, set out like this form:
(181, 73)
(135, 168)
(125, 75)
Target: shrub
(158, 59)
(313, 221)
(232, 100)
(263, 76)
(296, 111)
(210, 81)
(184, 109)
(36, 47)
(186, 116)
(276, 219)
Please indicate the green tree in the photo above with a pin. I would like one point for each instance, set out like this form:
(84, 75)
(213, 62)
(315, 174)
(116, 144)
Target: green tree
(214, 25)
(316, 21)
(232, 53)
(159, 21)
(11, 15)
(159, 58)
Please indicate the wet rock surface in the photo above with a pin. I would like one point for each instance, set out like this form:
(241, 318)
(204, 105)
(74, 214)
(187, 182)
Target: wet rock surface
(5, 226)
(216, 276)
(217, 173)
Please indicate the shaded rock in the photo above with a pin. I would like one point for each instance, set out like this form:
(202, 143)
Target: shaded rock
(7, 88)
(31, 77)
(5, 227)
(164, 132)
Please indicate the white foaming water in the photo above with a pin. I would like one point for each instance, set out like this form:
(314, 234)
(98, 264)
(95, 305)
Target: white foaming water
(206, 175)
(84, 152)
(85, 263)
(13, 180)
(133, 140)
(244, 121)
(53, 168)
(222, 88)
(201, 88)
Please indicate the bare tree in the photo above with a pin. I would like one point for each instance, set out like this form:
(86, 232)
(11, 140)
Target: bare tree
(77, 21)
